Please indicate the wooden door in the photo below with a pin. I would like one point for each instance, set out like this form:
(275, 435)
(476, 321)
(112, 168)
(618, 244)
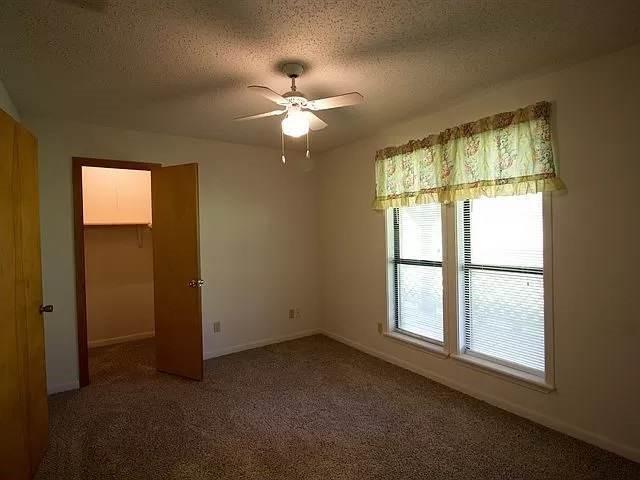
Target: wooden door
(30, 281)
(14, 458)
(176, 270)
(23, 399)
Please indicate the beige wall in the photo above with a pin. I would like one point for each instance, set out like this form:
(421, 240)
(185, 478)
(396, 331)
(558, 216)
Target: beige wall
(595, 234)
(116, 196)
(258, 236)
(119, 283)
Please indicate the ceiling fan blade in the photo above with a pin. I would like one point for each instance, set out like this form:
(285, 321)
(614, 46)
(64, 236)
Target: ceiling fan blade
(345, 100)
(315, 123)
(268, 93)
(260, 115)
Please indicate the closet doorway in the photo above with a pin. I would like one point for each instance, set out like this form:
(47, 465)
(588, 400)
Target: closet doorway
(137, 269)
(118, 265)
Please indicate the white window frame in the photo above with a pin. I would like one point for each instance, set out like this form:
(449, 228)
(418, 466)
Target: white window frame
(440, 349)
(453, 328)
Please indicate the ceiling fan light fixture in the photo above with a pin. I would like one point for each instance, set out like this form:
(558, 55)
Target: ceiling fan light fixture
(295, 124)
(299, 117)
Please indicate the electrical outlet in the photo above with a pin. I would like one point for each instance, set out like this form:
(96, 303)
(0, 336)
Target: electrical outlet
(292, 313)
(380, 328)
(216, 327)
(297, 313)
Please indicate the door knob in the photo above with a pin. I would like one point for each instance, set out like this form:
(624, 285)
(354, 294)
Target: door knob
(46, 308)
(196, 283)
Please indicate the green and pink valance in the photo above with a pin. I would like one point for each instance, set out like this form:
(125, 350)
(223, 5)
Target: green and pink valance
(506, 154)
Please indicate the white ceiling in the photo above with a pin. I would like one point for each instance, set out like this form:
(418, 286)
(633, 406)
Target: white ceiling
(181, 66)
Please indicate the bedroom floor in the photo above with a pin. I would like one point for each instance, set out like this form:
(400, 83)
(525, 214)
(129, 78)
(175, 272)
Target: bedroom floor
(306, 409)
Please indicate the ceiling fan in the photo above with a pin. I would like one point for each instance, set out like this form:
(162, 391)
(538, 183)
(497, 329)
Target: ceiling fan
(298, 111)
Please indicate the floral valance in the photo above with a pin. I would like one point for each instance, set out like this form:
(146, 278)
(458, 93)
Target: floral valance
(506, 154)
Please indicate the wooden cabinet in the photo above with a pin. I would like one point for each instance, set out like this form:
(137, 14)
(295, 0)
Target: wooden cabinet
(114, 196)
(23, 395)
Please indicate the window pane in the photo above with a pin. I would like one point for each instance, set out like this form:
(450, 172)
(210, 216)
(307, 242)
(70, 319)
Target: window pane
(421, 232)
(503, 307)
(420, 300)
(506, 317)
(507, 231)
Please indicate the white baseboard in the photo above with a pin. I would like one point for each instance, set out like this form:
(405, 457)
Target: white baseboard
(555, 424)
(259, 343)
(62, 387)
(127, 338)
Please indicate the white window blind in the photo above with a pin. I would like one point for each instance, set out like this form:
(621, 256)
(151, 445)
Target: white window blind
(501, 278)
(417, 271)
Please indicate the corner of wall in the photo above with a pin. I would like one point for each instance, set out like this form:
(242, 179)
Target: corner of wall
(6, 103)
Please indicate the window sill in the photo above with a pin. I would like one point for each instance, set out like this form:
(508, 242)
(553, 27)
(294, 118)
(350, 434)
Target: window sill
(511, 374)
(432, 348)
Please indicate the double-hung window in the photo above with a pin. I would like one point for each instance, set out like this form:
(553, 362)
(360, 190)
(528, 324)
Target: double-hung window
(417, 272)
(498, 260)
(501, 281)
(470, 263)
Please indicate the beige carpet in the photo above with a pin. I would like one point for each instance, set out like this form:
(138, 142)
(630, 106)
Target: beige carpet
(306, 409)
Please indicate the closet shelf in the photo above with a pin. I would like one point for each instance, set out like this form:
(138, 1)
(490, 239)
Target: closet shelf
(119, 224)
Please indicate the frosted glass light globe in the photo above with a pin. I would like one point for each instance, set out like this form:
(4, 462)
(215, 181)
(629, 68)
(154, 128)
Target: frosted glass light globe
(295, 124)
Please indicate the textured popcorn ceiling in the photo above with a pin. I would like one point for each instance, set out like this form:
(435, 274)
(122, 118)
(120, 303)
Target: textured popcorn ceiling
(181, 66)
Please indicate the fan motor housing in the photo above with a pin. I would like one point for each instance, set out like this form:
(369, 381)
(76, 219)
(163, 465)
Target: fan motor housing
(295, 98)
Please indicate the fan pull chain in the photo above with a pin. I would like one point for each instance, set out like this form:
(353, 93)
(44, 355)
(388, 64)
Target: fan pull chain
(284, 160)
(308, 156)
